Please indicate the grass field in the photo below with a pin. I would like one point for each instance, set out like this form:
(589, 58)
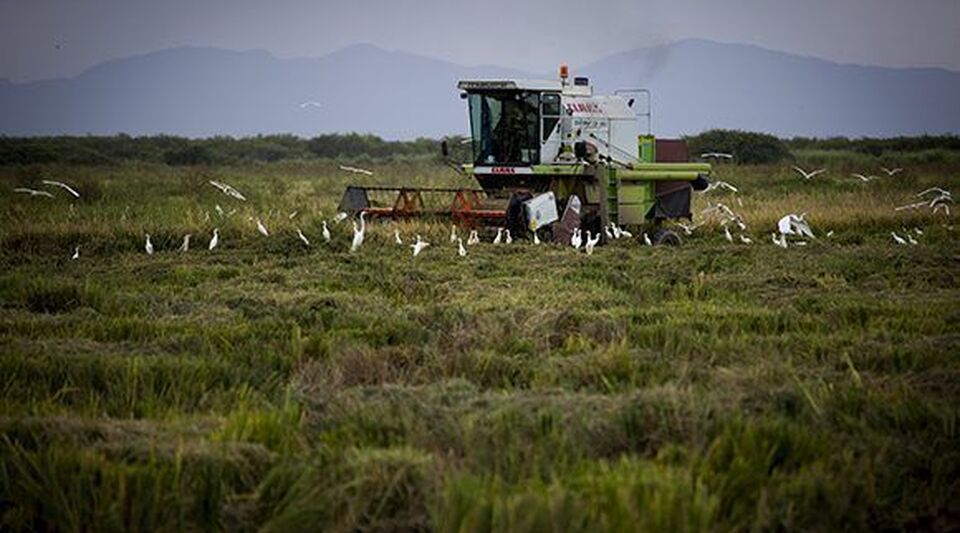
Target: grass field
(269, 385)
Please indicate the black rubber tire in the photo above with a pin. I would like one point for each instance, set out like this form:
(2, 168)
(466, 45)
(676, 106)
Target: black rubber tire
(516, 218)
(665, 237)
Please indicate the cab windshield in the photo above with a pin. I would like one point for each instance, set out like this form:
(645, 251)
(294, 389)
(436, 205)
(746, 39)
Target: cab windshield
(505, 127)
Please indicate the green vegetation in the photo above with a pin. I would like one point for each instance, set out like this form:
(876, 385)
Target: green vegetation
(268, 385)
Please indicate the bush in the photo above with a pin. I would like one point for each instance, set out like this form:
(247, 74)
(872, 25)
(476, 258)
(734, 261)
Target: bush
(748, 148)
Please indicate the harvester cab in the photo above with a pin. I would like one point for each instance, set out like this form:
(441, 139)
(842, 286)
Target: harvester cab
(550, 156)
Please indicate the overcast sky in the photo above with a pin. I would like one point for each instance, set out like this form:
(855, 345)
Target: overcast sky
(534, 35)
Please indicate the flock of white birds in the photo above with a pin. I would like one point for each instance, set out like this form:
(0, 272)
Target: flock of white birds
(792, 225)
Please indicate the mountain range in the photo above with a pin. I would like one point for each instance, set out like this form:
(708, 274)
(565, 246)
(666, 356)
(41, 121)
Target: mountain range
(695, 85)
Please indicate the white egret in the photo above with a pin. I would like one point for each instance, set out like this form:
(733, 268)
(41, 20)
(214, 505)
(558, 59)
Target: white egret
(577, 239)
(185, 245)
(33, 192)
(228, 190)
(76, 253)
(326, 232)
(496, 240)
(897, 239)
(911, 240)
(356, 170)
(215, 239)
(863, 178)
(460, 249)
(262, 229)
(745, 240)
(591, 243)
(726, 234)
(63, 186)
(830, 234)
(474, 238)
(341, 216)
(606, 231)
(148, 246)
(716, 155)
(453, 233)
(358, 233)
(720, 185)
(396, 236)
(303, 237)
(646, 239)
(293, 215)
(219, 210)
(536, 238)
(891, 171)
(419, 246)
(807, 175)
(507, 239)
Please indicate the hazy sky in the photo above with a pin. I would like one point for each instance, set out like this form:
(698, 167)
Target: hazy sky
(533, 35)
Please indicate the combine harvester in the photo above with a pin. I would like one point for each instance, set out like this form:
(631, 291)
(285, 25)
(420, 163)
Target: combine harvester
(542, 148)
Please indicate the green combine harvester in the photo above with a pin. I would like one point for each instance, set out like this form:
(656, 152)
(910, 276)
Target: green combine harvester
(550, 156)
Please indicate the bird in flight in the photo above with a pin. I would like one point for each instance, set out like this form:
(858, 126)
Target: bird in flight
(63, 186)
(356, 170)
(807, 175)
(863, 178)
(891, 171)
(716, 155)
(33, 192)
(310, 103)
(720, 185)
(228, 190)
(419, 246)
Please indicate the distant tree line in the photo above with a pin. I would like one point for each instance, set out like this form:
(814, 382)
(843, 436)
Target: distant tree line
(169, 150)
(747, 147)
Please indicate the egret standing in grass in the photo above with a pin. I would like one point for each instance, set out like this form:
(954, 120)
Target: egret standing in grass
(591, 243)
(507, 238)
(148, 246)
(460, 249)
(474, 238)
(262, 229)
(326, 232)
(646, 239)
(396, 237)
(186, 244)
(303, 237)
(496, 240)
(76, 253)
(358, 233)
(577, 239)
(215, 239)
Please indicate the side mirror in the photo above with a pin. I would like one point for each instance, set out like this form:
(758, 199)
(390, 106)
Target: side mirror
(444, 149)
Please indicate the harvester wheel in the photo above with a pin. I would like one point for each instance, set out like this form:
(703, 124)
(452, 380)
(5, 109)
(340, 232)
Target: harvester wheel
(665, 237)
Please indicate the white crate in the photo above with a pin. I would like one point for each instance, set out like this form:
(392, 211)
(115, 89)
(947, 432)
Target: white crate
(541, 210)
